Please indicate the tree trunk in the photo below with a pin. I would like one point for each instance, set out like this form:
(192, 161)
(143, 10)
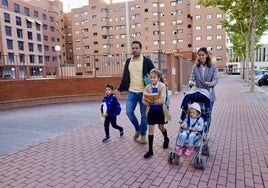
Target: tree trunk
(253, 34)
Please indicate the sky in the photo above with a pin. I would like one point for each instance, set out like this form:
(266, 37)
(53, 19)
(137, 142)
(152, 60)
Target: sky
(69, 4)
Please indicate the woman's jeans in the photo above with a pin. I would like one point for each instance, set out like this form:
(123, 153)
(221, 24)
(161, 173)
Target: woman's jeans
(132, 99)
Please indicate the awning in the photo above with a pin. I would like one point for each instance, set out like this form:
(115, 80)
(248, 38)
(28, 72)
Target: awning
(30, 20)
(38, 22)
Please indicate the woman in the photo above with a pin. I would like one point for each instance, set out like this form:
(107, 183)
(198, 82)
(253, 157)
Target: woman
(204, 74)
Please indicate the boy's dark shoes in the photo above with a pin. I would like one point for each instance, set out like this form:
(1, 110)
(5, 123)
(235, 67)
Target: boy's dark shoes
(148, 154)
(166, 143)
(121, 133)
(106, 139)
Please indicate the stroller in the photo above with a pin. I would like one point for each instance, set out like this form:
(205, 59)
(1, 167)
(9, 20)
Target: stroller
(200, 147)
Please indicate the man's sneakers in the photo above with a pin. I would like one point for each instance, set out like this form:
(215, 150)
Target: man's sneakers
(106, 139)
(136, 135)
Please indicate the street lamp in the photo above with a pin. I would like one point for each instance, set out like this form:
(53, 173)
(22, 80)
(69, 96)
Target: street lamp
(58, 48)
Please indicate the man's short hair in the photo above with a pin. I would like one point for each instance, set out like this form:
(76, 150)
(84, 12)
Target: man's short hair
(137, 42)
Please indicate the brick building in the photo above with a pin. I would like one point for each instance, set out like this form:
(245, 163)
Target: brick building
(29, 34)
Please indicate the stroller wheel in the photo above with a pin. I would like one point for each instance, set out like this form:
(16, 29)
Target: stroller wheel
(196, 162)
(176, 159)
(205, 150)
(170, 157)
(203, 163)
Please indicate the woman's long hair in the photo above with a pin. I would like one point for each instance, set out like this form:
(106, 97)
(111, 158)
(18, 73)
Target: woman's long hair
(208, 59)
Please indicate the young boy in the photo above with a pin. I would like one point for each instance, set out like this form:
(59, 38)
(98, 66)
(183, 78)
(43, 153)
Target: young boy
(110, 108)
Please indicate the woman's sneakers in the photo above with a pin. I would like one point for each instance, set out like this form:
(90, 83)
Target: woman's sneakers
(106, 139)
(148, 154)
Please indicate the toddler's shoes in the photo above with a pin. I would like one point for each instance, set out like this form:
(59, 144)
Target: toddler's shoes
(188, 151)
(180, 151)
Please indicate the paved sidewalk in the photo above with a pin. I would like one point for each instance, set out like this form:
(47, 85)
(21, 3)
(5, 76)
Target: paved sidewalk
(78, 158)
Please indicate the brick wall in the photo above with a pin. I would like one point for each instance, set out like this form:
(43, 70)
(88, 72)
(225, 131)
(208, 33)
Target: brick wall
(18, 93)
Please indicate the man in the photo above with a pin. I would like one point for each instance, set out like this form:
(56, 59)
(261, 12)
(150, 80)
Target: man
(136, 69)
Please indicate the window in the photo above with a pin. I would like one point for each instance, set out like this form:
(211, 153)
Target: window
(52, 29)
(44, 27)
(16, 8)
(26, 11)
(7, 17)
(94, 16)
(198, 27)
(40, 60)
(21, 45)
(219, 26)
(22, 58)
(219, 58)
(219, 15)
(39, 47)
(197, 6)
(198, 17)
(219, 47)
(51, 19)
(209, 16)
(38, 26)
(9, 44)
(8, 31)
(38, 37)
(93, 8)
(209, 37)
(31, 47)
(36, 14)
(31, 57)
(19, 33)
(219, 37)
(30, 35)
(44, 16)
(46, 48)
(209, 27)
(45, 38)
(5, 3)
(18, 20)
(179, 11)
(11, 57)
(29, 24)
(198, 38)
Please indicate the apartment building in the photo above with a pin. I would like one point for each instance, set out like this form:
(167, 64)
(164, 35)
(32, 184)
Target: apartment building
(178, 26)
(30, 30)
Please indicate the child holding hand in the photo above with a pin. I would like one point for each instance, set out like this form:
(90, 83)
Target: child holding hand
(154, 97)
(191, 125)
(112, 106)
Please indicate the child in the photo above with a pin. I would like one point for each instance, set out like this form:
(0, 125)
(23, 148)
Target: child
(154, 97)
(190, 126)
(112, 111)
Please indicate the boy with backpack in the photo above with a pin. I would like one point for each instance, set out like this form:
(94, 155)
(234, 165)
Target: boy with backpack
(110, 108)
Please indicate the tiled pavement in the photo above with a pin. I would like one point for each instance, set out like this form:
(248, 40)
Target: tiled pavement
(78, 158)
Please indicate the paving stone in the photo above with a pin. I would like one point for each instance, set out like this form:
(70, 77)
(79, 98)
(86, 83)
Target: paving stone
(70, 152)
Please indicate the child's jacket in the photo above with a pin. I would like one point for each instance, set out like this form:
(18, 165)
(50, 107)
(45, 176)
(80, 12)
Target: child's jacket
(112, 105)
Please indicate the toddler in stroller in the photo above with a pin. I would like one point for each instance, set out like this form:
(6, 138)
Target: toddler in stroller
(194, 126)
(190, 128)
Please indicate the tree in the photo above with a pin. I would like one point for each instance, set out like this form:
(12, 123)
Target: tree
(247, 18)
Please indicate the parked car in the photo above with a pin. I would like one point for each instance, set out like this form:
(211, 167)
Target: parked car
(263, 80)
(258, 74)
